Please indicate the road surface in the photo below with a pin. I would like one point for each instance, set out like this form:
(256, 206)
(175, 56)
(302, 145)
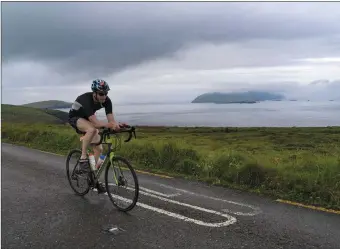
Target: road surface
(39, 210)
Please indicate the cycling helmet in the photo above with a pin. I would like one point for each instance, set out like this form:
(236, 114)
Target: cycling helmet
(100, 85)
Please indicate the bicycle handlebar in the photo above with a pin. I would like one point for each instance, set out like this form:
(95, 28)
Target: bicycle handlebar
(106, 131)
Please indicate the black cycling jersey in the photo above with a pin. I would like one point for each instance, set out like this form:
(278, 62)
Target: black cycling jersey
(85, 106)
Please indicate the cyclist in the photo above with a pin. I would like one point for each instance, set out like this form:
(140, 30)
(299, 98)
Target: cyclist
(83, 119)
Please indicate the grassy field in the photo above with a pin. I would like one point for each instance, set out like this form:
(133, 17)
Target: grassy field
(29, 115)
(299, 164)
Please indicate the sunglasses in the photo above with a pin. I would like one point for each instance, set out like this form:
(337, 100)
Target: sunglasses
(102, 93)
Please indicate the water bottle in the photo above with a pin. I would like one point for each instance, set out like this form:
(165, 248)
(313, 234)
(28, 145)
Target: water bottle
(92, 161)
(100, 161)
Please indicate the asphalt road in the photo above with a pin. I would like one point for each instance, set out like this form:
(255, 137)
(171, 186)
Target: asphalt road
(40, 210)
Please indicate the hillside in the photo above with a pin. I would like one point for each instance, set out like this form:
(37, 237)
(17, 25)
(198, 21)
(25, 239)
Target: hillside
(239, 97)
(49, 104)
(29, 115)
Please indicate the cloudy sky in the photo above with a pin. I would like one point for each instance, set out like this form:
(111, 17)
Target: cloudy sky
(157, 51)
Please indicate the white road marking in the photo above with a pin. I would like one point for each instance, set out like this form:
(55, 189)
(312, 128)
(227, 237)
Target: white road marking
(255, 212)
(230, 219)
(158, 193)
(150, 191)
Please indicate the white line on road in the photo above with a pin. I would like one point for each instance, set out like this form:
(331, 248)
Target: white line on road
(159, 193)
(230, 219)
(149, 190)
(255, 212)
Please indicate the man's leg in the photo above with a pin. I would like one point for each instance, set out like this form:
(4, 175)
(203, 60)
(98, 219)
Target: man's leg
(97, 149)
(86, 126)
(91, 136)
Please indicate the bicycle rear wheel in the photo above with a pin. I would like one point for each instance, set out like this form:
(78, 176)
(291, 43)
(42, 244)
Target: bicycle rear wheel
(121, 184)
(73, 157)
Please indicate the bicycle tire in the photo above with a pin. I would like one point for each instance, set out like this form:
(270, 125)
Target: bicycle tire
(68, 173)
(128, 164)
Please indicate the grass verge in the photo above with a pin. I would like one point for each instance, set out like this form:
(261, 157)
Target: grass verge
(298, 164)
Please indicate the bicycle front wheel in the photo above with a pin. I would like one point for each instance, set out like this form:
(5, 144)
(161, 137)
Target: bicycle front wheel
(121, 184)
(81, 183)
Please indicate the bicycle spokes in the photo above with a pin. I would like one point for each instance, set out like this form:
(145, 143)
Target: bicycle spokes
(74, 176)
(121, 184)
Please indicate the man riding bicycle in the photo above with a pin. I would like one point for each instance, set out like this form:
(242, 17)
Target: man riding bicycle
(83, 119)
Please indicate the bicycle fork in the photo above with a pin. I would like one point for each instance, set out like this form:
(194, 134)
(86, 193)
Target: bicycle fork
(117, 175)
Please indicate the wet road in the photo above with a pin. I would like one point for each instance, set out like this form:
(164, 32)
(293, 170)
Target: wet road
(39, 210)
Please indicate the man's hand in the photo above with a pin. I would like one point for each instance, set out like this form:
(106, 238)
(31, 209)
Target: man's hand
(115, 126)
(122, 124)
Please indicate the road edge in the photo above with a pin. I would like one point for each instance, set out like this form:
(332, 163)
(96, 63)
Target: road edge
(309, 206)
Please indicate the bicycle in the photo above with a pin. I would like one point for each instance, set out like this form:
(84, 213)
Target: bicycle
(111, 159)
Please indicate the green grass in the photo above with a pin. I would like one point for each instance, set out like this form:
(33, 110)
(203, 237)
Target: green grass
(20, 114)
(298, 164)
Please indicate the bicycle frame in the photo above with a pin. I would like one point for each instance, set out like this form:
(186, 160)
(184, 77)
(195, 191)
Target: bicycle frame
(108, 158)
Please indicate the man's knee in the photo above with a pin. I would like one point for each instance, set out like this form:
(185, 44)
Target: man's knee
(95, 137)
(85, 126)
(92, 130)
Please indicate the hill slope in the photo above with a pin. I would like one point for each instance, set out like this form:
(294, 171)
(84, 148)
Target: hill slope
(22, 114)
(49, 104)
(242, 97)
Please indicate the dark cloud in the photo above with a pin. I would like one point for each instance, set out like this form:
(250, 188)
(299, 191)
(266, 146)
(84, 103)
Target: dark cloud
(104, 37)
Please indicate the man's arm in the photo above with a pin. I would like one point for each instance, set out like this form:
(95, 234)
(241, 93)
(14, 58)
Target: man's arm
(111, 118)
(109, 114)
(108, 111)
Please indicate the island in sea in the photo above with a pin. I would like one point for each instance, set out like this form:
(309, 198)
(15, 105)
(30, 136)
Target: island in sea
(237, 97)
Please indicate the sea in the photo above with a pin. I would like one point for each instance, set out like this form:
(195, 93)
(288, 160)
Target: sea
(262, 114)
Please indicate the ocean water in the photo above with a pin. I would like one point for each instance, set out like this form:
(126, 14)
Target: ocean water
(263, 114)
